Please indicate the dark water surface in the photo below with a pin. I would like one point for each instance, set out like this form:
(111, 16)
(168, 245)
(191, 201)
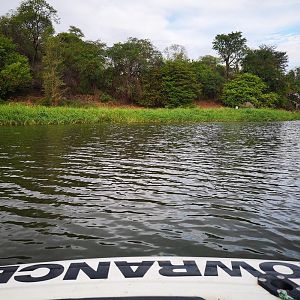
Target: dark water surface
(230, 190)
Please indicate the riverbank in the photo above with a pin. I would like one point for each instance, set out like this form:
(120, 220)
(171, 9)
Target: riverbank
(33, 115)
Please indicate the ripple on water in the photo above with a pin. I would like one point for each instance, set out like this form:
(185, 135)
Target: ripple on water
(193, 190)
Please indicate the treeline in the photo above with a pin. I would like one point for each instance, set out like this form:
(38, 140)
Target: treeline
(33, 57)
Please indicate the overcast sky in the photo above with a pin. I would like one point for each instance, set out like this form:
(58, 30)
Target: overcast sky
(192, 23)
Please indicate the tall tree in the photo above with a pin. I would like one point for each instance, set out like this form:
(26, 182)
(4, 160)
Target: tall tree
(268, 64)
(128, 63)
(83, 61)
(28, 27)
(231, 48)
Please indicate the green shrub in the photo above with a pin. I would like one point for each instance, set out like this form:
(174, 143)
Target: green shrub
(270, 100)
(105, 98)
(243, 88)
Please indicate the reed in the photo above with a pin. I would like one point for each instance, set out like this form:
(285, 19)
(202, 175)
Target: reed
(16, 114)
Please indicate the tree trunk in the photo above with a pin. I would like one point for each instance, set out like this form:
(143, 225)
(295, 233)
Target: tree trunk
(227, 69)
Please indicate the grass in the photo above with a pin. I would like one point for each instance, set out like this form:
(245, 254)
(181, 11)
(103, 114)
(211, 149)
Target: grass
(16, 114)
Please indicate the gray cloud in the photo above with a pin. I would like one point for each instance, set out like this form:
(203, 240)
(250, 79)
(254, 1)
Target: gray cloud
(192, 23)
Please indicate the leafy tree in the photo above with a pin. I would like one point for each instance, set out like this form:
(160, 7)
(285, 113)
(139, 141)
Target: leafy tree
(209, 74)
(244, 88)
(293, 85)
(153, 88)
(129, 62)
(231, 48)
(52, 74)
(269, 65)
(293, 79)
(179, 84)
(14, 68)
(83, 61)
(28, 26)
(175, 52)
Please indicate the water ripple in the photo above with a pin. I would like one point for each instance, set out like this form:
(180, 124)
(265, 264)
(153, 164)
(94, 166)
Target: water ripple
(228, 190)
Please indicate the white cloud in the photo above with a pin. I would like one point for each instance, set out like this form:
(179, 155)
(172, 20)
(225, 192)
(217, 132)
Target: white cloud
(192, 23)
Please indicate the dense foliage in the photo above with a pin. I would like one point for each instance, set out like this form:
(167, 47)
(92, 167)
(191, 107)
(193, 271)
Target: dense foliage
(128, 64)
(269, 65)
(83, 61)
(248, 88)
(14, 68)
(179, 84)
(28, 26)
(210, 74)
(65, 65)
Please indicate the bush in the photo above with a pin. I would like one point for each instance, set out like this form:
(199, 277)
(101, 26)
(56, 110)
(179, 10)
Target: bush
(270, 100)
(243, 88)
(105, 98)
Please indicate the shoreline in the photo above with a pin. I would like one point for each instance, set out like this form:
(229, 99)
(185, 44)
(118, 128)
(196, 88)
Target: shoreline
(18, 114)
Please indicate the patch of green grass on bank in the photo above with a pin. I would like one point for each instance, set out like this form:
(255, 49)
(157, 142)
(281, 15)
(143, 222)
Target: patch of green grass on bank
(17, 114)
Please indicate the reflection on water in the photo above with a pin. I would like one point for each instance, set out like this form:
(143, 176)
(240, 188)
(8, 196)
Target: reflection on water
(228, 190)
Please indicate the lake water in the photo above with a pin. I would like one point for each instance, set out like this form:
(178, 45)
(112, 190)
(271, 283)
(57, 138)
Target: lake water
(225, 190)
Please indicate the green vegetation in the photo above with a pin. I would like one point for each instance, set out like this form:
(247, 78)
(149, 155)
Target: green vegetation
(14, 68)
(66, 65)
(28, 27)
(231, 48)
(52, 81)
(129, 65)
(245, 88)
(179, 84)
(210, 74)
(31, 115)
(269, 65)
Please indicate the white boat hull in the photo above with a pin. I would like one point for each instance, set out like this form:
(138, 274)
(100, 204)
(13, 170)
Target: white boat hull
(208, 278)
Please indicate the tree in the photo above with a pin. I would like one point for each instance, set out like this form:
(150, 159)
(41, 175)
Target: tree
(52, 73)
(212, 62)
(209, 74)
(293, 79)
(175, 52)
(179, 84)
(129, 62)
(14, 68)
(293, 87)
(269, 65)
(83, 61)
(231, 48)
(28, 27)
(247, 87)
(153, 88)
